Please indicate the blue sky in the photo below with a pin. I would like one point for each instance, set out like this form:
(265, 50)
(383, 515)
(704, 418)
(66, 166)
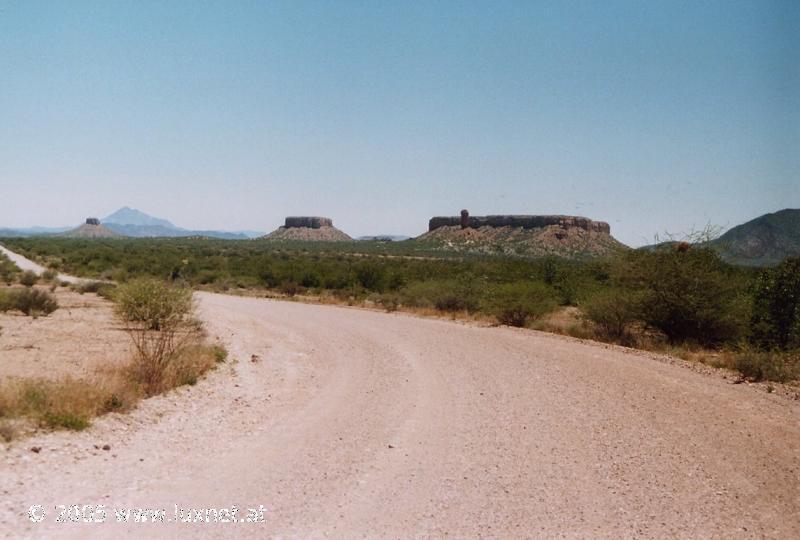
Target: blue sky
(653, 116)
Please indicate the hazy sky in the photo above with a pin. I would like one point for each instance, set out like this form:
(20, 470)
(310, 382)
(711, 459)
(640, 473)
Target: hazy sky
(652, 116)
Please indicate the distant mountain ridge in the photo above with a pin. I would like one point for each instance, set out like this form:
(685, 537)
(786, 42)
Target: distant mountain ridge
(384, 238)
(131, 216)
(135, 223)
(763, 241)
(32, 231)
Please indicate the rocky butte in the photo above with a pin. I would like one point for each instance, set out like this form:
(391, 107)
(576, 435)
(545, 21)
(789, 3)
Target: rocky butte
(312, 228)
(92, 228)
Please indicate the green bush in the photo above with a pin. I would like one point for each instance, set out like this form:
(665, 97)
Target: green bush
(517, 304)
(153, 304)
(8, 300)
(689, 296)
(370, 275)
(612, 312)
(310, 280)
(776, 307)
(445, 295)
(220, 353)
(28, 278)
(419, 294)
(65, 420)
(8, 270)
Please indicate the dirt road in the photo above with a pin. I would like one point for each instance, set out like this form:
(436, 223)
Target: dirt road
(349, 423)
(27, 264)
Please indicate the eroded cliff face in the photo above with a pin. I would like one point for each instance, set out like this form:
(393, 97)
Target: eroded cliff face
(310, 222)
(522, 221)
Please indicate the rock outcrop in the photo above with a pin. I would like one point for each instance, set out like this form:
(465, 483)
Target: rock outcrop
(312, 222)
(524, 221)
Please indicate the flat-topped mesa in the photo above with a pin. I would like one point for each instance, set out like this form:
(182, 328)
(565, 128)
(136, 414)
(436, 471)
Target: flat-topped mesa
(92, 221)
(309, 222)
(526, 222)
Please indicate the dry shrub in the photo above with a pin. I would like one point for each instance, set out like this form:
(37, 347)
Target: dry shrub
(185, 365)
(168, 352)
(8, 431)
(389, 301)
(189, 364)
(67, 403)
(776, 366)
(71, 403)
(29, 301)
(158, 317)
(28, 278)
(50, 275)
(103, 289)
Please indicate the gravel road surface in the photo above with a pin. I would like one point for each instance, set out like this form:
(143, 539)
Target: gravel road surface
(350, 423)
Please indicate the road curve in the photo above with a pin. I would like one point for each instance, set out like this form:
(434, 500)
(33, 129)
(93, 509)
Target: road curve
(349, 423)
(26, 264)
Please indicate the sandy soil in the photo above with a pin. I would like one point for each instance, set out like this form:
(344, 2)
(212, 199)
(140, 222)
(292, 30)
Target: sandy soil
(351, 423)
(78, 338)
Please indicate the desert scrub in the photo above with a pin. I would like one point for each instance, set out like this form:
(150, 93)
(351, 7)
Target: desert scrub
(778, 366)
(153, 304)
(66, 404)
(50, 275)
(8, 270)
(28, 278)
(71, 403)
(775, 323)
(30, 301)
(390, 301)
(517, 304)
(448, 295)
(100, 288)
(689, 296)
(189, 364)
(612, 312)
